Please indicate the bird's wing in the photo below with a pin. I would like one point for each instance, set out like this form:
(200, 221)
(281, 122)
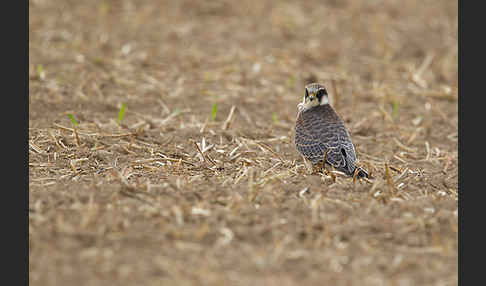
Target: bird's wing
(334, 137)
(346, 149)
(330, 131)
(306, 141)
(319, 130)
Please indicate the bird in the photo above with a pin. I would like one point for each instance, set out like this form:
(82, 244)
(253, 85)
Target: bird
(320, 134)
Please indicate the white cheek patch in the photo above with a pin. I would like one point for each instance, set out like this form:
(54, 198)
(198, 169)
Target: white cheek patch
(324, 100)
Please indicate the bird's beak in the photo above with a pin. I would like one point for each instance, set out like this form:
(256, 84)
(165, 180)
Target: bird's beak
(312, 97)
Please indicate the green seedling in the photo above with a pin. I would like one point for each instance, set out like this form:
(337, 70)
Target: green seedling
(395, 110)
(104, 8)
(41, 73)
(98, 61)
(291, 81)
(214, 111)
(75, 123)
(121, 113)
(275, 118)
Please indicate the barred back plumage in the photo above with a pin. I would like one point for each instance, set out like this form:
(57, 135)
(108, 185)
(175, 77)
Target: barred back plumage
(319, 128)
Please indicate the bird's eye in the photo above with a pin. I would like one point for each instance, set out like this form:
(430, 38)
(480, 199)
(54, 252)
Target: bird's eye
(306, 93)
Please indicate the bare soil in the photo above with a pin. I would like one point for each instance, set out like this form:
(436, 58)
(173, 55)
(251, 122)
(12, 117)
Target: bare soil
(180, 195)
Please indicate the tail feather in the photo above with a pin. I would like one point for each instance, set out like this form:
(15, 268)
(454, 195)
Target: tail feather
(362, 173)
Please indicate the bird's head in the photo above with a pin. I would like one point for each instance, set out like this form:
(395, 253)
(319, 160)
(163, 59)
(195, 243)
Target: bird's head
(315, 94)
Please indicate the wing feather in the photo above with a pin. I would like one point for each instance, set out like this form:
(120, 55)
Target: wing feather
(317, 130)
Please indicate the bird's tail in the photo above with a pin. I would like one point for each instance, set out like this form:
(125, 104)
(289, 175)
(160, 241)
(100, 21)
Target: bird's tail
(363, 174)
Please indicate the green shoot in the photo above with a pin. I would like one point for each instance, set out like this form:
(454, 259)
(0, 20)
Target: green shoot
(214, 111)
(395, 110)
(98, 61)
(121, 113)
(104, 8)
(40, 71)
(291, 81)
(75, 123)
(275, 118)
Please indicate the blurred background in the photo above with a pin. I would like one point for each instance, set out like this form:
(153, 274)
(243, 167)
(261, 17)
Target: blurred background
(233, 50)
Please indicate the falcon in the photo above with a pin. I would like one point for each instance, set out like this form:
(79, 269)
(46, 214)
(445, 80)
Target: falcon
(320, 133)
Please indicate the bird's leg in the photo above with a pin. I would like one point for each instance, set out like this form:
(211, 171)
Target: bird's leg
(356, 171)
(324, 159)
(333, 176)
